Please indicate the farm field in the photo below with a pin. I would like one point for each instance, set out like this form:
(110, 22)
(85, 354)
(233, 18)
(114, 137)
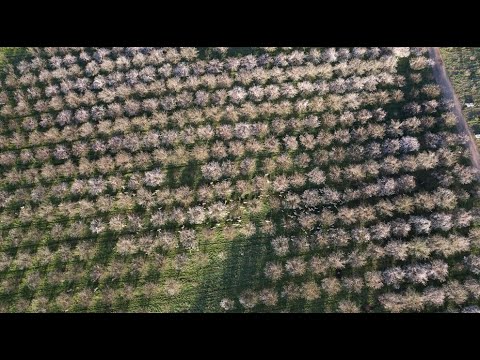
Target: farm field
(463, 67)
(233, 180)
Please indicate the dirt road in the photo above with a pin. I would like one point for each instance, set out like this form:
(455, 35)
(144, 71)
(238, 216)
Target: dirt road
(442, 79)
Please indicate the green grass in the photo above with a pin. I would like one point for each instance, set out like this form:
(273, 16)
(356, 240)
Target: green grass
(11, 54)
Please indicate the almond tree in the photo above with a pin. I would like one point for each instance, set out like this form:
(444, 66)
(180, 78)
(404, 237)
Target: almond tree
(348, 306)
(310, 291)
(248, 299)
(280, 245)
(295, 266)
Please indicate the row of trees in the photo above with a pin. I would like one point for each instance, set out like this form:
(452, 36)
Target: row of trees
(168, 79)
(306, 134)
(395, 229)
(186, 63)
(185, 123)
(307, 141)
(244, 165)
(189, 53)
(334, 238)
(441, 199)
(217, 91)
(364, 182)
(453, 294)
(100, 299)
(312, 130)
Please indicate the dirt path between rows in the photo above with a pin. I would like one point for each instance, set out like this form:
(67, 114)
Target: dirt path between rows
(442, 79)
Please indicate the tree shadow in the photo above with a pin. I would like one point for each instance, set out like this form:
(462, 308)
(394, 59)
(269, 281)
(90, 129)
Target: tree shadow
(241, 270)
